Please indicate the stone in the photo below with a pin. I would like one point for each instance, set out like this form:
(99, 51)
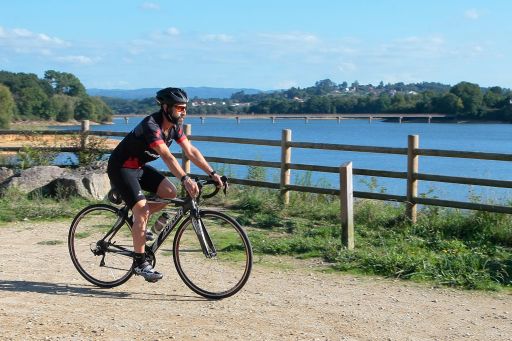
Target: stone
(85, 182)
(31, 179)
(5, 173)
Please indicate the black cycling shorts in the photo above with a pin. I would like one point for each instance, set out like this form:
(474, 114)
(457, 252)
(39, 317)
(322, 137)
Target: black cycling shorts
(131, 182)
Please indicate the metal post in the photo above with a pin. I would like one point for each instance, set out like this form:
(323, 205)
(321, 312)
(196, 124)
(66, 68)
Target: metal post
(347, 206)
(286, 157)
(412, 182)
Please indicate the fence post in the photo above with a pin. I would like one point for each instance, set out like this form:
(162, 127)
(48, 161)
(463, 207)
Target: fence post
(84, 134)
(347, 206)
(286, 157)
(185, 162)
(412, 182)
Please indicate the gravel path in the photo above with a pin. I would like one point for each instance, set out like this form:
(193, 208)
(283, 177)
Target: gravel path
(42, 297)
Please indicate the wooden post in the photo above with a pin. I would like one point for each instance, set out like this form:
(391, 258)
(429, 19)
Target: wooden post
(84, 134)
(412, 182)
(286, 157)
(185, 162)
(347, 206)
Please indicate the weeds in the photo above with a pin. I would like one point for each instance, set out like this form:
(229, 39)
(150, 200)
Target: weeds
(465, 249)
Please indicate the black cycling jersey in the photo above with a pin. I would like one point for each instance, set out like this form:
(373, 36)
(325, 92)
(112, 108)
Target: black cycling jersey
(136, 149)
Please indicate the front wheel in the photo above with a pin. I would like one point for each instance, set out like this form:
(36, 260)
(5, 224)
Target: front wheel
(100, 245)
(228, 270)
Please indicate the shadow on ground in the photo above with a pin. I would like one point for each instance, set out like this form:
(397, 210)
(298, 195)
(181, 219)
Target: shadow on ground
(88, 291)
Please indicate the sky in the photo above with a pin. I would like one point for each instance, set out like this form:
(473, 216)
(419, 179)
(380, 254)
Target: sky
(264, 44)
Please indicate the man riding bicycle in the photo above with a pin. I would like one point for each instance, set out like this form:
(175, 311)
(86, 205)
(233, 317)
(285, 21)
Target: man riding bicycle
(130, 175)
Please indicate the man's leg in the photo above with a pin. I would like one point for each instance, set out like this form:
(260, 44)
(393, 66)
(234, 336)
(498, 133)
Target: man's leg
(140, 219)
(165, 190)
(141, 214)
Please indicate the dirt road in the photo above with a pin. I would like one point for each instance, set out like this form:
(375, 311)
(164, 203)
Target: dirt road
(42, 297)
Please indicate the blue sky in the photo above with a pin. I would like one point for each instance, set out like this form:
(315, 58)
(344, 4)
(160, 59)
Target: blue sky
(265, 44)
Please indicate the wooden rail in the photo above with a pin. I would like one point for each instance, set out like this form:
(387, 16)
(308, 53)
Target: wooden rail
(285, 164)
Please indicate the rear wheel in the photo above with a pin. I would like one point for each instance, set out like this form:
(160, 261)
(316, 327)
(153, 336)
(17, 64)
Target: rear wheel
(100, 245)
(225, 273)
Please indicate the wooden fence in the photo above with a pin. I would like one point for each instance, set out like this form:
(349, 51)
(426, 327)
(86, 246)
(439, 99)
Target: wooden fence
(345, 171)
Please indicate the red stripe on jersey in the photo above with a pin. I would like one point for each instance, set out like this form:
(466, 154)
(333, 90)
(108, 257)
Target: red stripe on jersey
(156, 143)
(181, 139)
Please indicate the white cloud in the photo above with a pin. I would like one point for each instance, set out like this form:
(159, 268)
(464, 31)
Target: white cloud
(291, 37)
(150, 6)
(20, 39)
(223, 38)
(81, 60)
(472, 14)
(172, 31)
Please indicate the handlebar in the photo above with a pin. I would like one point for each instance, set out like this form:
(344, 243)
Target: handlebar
(202, 183)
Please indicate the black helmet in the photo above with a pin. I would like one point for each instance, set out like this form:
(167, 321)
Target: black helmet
(171, 96)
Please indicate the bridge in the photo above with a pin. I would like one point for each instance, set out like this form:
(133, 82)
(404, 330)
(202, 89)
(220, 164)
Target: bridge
(307, 117)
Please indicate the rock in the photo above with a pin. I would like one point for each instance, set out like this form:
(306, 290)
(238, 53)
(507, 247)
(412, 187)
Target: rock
(5, 173)
(89, 182)
(85, 182)
(34, 178)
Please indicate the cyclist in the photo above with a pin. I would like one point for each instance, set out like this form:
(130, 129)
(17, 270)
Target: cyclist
(130, 175)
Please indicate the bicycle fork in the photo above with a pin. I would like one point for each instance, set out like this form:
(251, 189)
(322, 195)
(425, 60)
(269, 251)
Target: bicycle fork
(202, 234)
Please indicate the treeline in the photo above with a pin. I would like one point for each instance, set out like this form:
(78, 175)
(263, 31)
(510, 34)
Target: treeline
(59, 96)
(463, 101)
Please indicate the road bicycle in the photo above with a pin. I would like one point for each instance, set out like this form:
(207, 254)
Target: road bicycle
(211, 251)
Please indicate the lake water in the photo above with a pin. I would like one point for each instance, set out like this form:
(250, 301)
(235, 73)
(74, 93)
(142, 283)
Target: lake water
(496, 138)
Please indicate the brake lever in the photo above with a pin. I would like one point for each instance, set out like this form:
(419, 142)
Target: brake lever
(225, 183)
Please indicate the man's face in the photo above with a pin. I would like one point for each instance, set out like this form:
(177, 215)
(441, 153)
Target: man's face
(179, 111)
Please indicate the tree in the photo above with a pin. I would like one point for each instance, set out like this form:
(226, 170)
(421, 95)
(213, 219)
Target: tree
(85, 109)
(7, 106)
(447, 104)
(471, 97)
(102, 113)
(33, 103)
(325, 86)
(64, 83)
(63, 107)
(494, 97)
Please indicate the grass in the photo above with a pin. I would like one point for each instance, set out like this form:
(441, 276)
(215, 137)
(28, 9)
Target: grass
(17, 206)
(449, 247)
(465, 249)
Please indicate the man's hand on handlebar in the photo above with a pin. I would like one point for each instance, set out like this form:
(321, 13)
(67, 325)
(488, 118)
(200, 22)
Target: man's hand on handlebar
(218, 180)
(191, 187)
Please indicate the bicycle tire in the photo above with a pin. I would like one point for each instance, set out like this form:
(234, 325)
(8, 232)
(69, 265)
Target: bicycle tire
(88, 228)
(220, 276)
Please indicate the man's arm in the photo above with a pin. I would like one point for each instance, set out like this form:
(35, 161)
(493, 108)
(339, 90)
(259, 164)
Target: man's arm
(175, 168)
(194, 155)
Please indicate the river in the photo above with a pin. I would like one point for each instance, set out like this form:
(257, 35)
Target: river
(481, 137)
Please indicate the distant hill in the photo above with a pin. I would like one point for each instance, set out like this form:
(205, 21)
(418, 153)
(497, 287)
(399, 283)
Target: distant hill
(200, 92)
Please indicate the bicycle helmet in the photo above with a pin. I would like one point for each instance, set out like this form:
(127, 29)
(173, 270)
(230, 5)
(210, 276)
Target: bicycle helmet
(171, 96)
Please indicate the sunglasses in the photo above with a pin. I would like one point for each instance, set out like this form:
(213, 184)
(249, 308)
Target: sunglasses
(180, 108)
